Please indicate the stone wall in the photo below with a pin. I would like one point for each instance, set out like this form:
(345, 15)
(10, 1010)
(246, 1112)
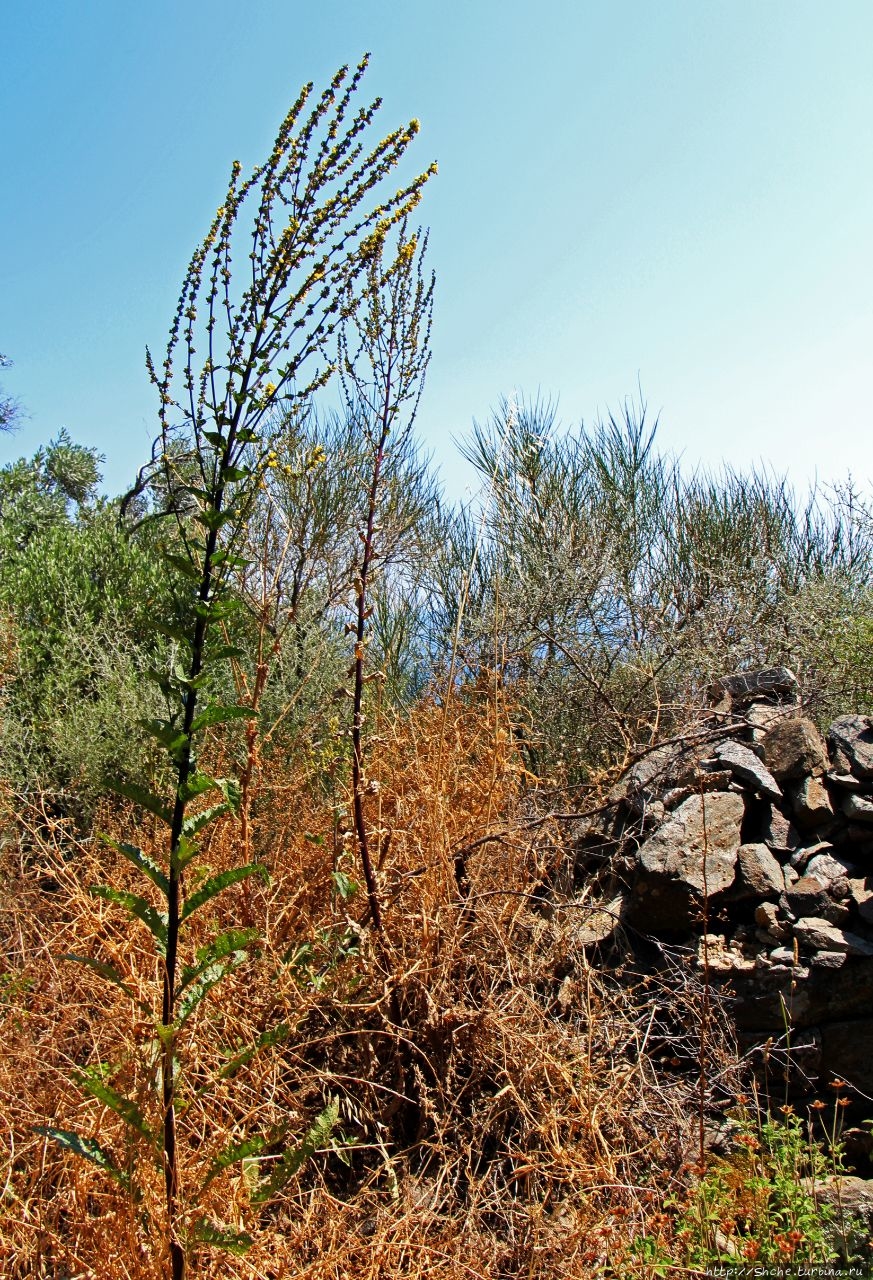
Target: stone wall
(750, 842)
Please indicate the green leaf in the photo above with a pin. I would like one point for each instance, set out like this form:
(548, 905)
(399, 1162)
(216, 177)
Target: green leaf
(215, 884)
(216, 713)
(215, 438)
(276, 1035)
(155, 921)
(168, 734)
(198, 821)
(231, 560)
(144, 798)
(235, 1152)
(231, 791)
(174, 632)
(184, 851)
(217, 610)
(196, 784)
(88, 1148)
(236, 1242)
(212, 519)
(139, 859)
(224, 651)
(129, 1111)
(345, 886)
(296, 1156)
(188, 569)
(111, 974)
(162, 680)
(232, 474)
(226, 944)
(210, 976)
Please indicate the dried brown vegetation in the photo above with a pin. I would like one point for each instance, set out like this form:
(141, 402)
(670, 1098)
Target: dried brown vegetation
(512, 1124)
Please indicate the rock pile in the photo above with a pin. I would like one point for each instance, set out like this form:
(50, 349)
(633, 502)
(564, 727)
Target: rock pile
(752, 840)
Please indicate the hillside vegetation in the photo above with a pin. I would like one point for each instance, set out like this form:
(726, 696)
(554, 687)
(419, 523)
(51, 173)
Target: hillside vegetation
(295, 754)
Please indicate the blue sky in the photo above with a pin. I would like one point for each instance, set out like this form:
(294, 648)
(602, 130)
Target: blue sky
(676, 196)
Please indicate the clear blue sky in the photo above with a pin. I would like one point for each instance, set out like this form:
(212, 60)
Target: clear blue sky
(677, 194)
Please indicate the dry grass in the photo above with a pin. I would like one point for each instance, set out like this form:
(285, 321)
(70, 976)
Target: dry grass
(513, 1123)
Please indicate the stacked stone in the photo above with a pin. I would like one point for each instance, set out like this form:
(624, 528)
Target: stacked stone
(756, 838)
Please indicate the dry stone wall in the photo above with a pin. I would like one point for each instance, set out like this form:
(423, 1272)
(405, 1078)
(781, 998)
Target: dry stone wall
(751, 842)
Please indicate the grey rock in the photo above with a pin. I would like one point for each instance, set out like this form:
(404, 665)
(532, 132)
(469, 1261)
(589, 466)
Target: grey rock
(673, 871)
(819, 935)
(849, 1228)
(717, 955)
(762, 716)
(782, 955)
(839, 913)
(810, 802)
(759, 871)
(676, 849)
(807, 897)
(801, 858)
(858, 809)
(853, 737)
(744, 764)
(708, 780)
(829, 867)
(670, 765)
(791, 876)
(846, 781)
(748, 686)
(777, 831)
(767, 916)
(861, 894)
(596, 922)
(794, 748)
(828, 960)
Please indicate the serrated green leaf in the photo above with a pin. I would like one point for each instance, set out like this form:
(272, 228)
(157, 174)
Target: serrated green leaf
(216, 713)
(155, 921)
(173, 632)
(144, 798)
(129, 1111)
(226, 944)
(215, 884)
(212, 519)
(224, 651)
(210, 976)
(111, 974)
(167, 734)
(217, 610)
(235, 1152)
(88, 1148)
(162, 680)
(196, 784)
(198, 821)
(184, 851)
(232, 792)
(230, 560)
(276, 1035)
(236, 1242)
(141, 860)
(345, 886)
(188, 568)
(296, 1156)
